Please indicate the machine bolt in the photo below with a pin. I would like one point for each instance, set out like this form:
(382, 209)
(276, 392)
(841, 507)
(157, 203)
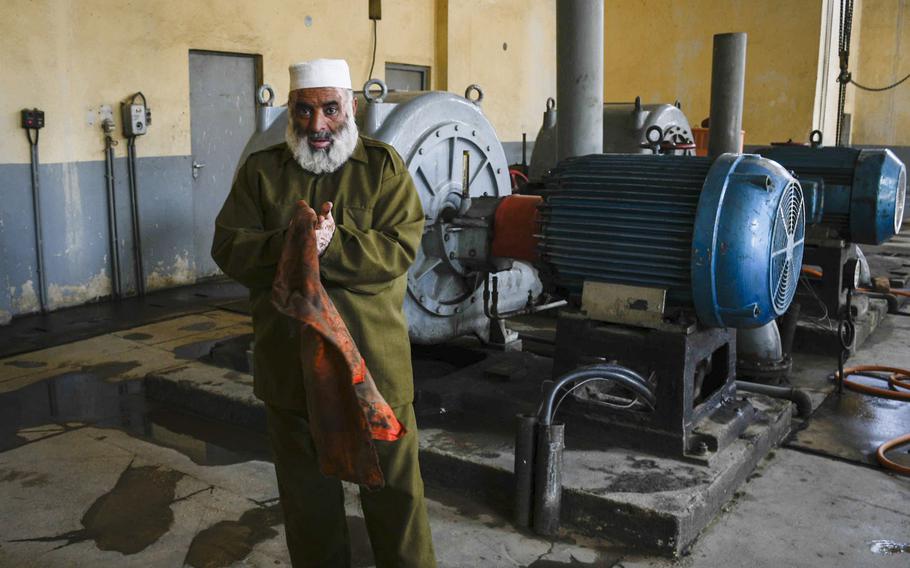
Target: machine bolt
(472, 253)
(473, 133)
(456, 127)
(445, 238)
(451, 256)
(457, 309)
(437, 134)
(420, 151)
(701, 449)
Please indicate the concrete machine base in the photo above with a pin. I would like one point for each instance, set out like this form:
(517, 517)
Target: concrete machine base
(656, 503)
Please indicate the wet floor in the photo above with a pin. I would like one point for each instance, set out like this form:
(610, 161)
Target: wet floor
(853, 425)
(93, 397)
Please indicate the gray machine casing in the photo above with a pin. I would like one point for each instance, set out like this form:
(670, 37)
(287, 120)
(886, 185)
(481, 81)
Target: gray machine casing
(624, 131)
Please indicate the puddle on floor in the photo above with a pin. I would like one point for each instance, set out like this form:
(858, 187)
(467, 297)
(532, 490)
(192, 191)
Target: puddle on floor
(889, 547)
(77, 399)
(130, 517)
(228, 542)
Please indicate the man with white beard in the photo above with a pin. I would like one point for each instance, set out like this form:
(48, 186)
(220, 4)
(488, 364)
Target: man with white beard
(369, 229)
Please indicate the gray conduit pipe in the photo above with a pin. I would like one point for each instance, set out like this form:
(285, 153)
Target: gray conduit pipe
(39, 231)
(539, 444)
(134, 215)
(799, 398)
(114, 239)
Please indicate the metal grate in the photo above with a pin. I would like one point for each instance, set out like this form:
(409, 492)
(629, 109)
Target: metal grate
(786, 244)
(899, 202)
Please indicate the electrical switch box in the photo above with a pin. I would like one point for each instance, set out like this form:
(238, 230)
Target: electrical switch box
(375, 9)
(135, 119)
(32, 118)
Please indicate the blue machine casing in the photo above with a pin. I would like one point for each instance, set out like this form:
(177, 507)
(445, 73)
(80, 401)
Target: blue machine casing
(747, 243)
(725, 237)
(864, 190)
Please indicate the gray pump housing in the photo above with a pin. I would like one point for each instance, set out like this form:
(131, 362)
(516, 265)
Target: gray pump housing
(625, 128)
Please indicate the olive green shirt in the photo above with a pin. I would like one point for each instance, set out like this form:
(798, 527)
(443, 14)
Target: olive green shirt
(379, 222)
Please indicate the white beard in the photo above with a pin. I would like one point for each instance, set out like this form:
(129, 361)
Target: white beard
(323, 161)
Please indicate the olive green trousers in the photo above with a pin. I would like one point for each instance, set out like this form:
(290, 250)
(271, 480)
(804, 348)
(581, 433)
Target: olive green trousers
(313, 505)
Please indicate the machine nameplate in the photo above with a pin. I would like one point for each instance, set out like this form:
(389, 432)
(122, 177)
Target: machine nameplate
(619, 303)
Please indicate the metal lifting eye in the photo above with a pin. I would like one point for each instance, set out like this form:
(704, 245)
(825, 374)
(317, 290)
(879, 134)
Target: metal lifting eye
(815, 138)
(475, 88)
(371, 96)
(261, 95)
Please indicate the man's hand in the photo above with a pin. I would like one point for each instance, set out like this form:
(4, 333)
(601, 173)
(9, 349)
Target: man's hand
(325, 228)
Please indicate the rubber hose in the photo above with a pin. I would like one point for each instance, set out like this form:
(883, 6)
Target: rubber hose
(897, 379)
(799, 398)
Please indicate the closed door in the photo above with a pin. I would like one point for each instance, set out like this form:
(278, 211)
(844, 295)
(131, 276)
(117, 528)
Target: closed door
(222, 119)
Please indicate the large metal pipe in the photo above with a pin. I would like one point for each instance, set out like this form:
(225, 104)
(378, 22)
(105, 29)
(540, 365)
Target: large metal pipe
(548, 478)
(762, 345)
(728, 81)
(525, 448)
(579, 77)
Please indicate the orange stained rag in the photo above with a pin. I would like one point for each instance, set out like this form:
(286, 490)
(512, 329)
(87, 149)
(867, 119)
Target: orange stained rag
(346, 410)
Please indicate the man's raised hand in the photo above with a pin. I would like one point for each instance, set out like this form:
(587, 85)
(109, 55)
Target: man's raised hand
(325, 227)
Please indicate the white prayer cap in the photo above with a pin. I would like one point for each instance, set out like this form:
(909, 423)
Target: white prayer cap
(320, 73)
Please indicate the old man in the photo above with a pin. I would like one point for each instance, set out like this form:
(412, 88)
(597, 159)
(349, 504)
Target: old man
(369, 229)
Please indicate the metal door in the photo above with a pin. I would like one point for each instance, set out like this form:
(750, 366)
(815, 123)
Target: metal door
(222, 119)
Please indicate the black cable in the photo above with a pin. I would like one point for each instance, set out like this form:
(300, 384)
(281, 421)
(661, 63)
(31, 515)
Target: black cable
(878, 89)
(139, 94)
(373, 62)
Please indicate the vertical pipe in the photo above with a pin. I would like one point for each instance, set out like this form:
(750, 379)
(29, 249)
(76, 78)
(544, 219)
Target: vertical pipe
(116, 286)
(579, 77)
(134, 204)
(39, 231)
(548, 478)
(525, 447)
(728, 81)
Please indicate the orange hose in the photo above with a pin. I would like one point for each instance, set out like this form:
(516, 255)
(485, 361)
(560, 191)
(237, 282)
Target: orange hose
(812, 272)
(895, 291)
(896, 380)
(886, 463)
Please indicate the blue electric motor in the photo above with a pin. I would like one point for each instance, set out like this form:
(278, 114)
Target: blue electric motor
(725, 236)
(858, 194)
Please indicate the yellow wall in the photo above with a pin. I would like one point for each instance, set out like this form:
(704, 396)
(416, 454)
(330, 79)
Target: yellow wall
(662, 51)
(71, 56)
(883, 57)
(516, 80)
(68, 57)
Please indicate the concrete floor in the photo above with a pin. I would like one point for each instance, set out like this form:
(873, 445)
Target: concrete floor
(108, 480)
